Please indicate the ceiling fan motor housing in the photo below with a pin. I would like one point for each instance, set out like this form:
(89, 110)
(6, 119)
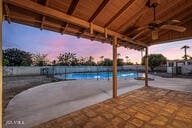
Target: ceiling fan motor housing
(152, 3)
(154, 26)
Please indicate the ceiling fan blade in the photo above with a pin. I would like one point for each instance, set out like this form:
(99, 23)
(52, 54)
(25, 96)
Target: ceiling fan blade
(140, 33)
(173, 27)
(141, 28)
(171, 22)
(155, 35)
(175, 21)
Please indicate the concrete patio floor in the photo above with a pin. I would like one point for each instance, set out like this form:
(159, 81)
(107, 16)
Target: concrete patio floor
(145, 107)
(53, 100)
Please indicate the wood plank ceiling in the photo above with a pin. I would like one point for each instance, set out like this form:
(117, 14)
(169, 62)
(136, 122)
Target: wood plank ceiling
(101, 20)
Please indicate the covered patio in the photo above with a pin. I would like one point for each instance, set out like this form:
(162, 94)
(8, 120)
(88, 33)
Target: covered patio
(134, 24)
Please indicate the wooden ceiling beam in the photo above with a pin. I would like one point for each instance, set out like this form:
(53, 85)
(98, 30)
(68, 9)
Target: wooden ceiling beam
(50, 25)
(72, 7)
(43, 18)
(27, 19)
(70, 11)
(7, 12)
(119, 13)
(98, 10)
(44, 10)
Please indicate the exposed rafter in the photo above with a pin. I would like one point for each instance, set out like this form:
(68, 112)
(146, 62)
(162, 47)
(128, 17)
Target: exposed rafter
(99, 9)
(70, 11)
(43, 10)
(83, 33)
(118, 14)
(43, 18)
(72, 7)
(7, 13)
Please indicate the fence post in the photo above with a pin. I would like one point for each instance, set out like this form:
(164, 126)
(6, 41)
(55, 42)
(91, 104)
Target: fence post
(97, 73)
(108, 72)
(65, 73)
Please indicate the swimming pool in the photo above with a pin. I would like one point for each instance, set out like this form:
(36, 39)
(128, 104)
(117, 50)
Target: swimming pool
(101, 75)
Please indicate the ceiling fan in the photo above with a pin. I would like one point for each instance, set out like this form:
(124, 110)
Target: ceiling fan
(156, 25)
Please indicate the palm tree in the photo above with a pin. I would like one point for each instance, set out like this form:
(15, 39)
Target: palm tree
(127, 59)
(90, 59)
(40, 59)
(101, 58)
(185, 47)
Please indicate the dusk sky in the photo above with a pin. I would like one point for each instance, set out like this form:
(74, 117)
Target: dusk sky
(36, 41)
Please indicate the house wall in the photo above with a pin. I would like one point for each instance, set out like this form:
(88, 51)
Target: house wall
(186, 69)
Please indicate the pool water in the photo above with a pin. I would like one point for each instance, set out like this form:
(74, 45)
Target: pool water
(101, 75)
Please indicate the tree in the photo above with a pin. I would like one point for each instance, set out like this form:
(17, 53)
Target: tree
(67, 59)
(17, 57)
(119, 62)
(185, 47)
(82, 61)
(107, 62)
(155, 60)
(127, 59)
(24, 63)
(101, 58)
(54, 62)
(90, 61)
(5, 62)
(40, 59)
(75, 61)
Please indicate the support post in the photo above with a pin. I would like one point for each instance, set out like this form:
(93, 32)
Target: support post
(91, 27)
(146, 67)
(115, 67)
(105, 32)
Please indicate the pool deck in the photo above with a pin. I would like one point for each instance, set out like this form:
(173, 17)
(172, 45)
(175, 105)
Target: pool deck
(50, 101)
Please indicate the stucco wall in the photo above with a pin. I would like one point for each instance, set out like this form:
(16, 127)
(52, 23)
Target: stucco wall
(21, 71)
(14, 71)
